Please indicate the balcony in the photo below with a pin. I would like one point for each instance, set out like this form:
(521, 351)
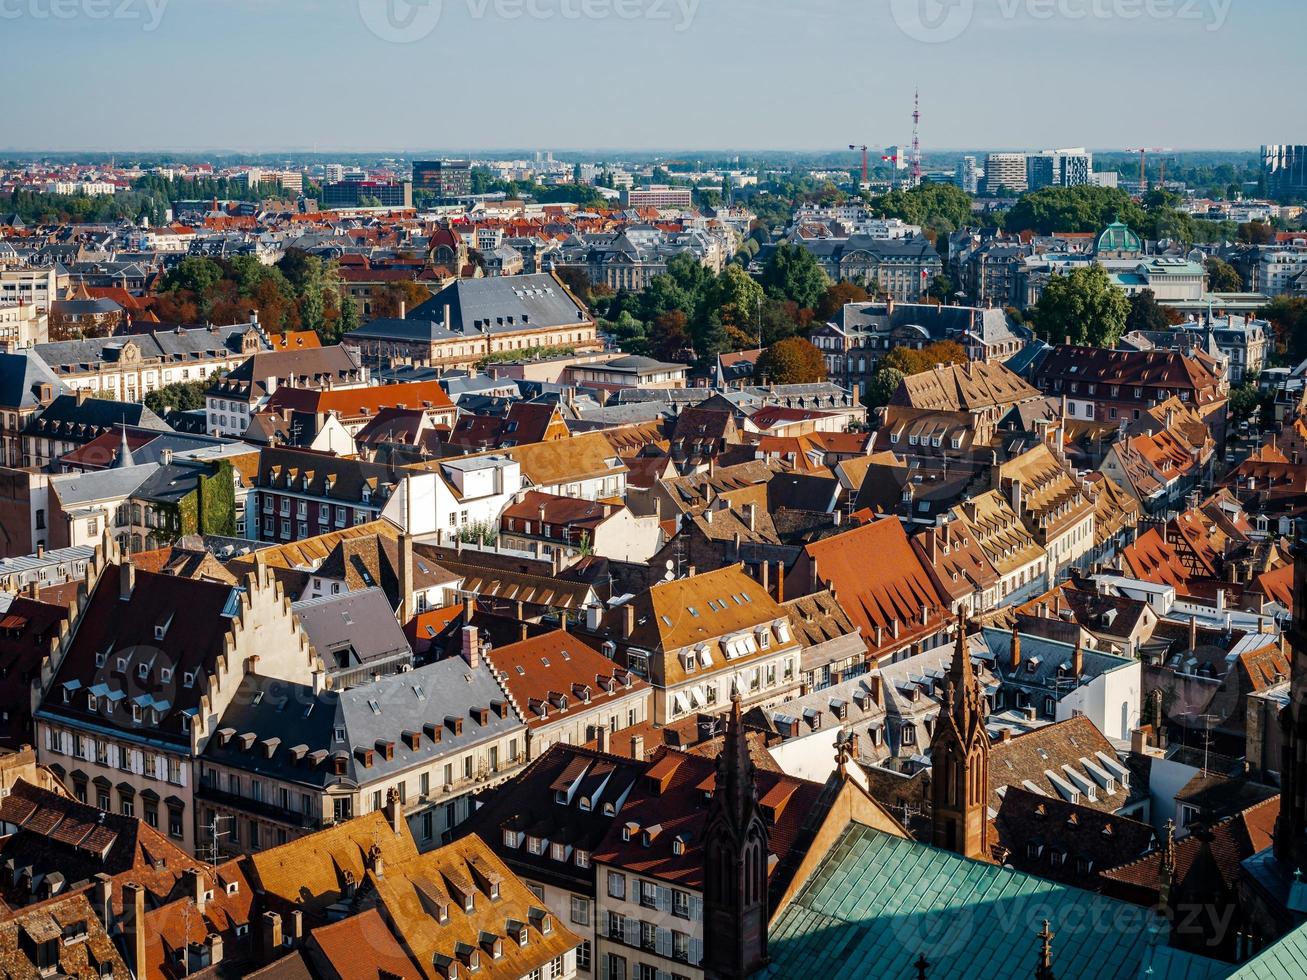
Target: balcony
(258, 808)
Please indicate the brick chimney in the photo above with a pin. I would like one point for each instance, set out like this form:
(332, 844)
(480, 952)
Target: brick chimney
(196, 887)
(1078, 658)
(471, 647)
(628, 620)
(134, 927)
(103, 900)
(637, 747)
(270, 932)
(1016, 647)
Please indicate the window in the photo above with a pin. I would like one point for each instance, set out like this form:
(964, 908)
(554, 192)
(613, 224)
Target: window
(616, 967)
(680, 904)
(616, 885)
(648, 936)
(580, 910)
(648, 894)
(174, 823)
(583, 956)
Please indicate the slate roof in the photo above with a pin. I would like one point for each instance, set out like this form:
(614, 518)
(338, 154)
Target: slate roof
(68, 420)
(423, 703)
(21, 377)
(352, 629)
(877, 902)
(1286, 958)
(496, 304)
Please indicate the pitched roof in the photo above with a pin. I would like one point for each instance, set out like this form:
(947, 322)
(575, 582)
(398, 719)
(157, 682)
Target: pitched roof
(362, 947)
(550, 674)
(877, 902)
(970, 387)
(892, 594)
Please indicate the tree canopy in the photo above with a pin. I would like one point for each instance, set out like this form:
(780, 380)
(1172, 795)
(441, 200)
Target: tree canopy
(1073, 209)
(1086, 306)
(791, 361)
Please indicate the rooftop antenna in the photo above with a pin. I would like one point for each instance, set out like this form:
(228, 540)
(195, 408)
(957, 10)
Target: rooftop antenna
(916, 138)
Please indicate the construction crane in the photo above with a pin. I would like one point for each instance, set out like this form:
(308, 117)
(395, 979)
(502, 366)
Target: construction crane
(1143, 163)
(863, 148)
(893, 161)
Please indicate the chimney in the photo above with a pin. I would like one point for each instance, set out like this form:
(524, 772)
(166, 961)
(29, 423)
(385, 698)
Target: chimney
(764, 578)
(471, 648)
(395, 812)
(214, 942)
(628, 620)
(637, 747)
(195, 887)
(751, 515)
(1078, 658)
(103, 900)
(1193, 632)
(126, 580)
(406, 603)
(873, 682)
(1016, 647)
(270, 930)
(82, 395)
(134, 927)
(780, 579)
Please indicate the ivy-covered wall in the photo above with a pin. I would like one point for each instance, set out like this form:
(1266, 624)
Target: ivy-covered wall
(216, 507)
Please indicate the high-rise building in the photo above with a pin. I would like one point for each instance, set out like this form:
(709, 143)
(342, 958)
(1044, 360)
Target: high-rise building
(444, 178)
(362, 193)
(1006, 170)
(969, 175)
(335, 173)
(1059, 168)
(1284, 169)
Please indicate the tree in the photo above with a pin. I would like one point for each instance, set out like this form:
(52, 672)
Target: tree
(1244, 401)
(1256, 233)
(940, 289)
(670, 336)
(182, 396)
(1288, 315)
(631, 334)
(791, 361)
(1146, 313)
(660, 295)
(349, 315)
(908, 360)
(193, 275)
(793, 273)
(710, 339)
(942, 208)
(883, 385)
(1074, 209)
(1085, 306)
(1222, 277)
(837, 296)
(734, 296)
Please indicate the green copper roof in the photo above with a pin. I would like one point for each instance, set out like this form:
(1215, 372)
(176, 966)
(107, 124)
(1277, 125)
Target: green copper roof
(1287, 958)
(878, 902)
(1117, 237)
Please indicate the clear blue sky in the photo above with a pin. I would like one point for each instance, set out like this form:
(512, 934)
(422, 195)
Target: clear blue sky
(257, 75)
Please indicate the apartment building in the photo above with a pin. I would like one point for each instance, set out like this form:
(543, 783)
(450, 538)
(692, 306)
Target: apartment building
(696, 639)
(127, 698)
(290, 758)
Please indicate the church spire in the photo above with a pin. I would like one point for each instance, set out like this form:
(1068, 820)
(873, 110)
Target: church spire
(960, 760)
(735, 907)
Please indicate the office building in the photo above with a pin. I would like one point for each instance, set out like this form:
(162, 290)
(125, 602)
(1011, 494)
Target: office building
(1006, 170)
(444, 178)
(367, 193)
(658, 196)
(1284, 169)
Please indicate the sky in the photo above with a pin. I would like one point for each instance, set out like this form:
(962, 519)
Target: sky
(464, 75)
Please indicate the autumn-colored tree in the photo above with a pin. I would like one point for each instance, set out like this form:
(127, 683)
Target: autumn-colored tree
(397, 299)
(670, 335)
(910, 361)
(791, 361)
(837, 296)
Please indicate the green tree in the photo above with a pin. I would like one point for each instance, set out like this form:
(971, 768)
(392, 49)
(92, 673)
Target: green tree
(1146, 313)
(1256, 233)
(181, 396)
(1288, 316)
(736, 297)
(791, 361)
(941, 289)
(1074, 209)
(1222, 277)
(943, 208)
(1245, 401)
(793, 273)
(882, 386)
(192, 274)
(1086, 306)
(630, 333)
(710, 339)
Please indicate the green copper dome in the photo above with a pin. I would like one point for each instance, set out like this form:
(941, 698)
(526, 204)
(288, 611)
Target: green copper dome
(1117, 237)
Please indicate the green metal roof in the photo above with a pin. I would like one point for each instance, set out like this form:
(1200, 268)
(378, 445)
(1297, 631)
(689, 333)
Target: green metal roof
(1117, 237)
(1287, 958)
(878, 902)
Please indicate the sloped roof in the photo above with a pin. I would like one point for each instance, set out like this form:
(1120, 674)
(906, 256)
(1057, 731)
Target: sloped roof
(877, 902)
(970, 387)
